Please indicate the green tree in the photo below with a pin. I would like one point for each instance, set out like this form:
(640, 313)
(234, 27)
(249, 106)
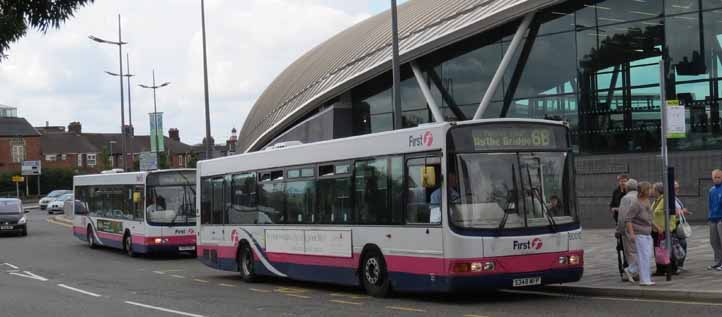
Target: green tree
(17, 16)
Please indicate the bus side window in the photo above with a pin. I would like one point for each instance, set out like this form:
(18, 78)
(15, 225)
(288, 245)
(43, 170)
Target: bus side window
(206, 201)
(423, 183)
(334, 194)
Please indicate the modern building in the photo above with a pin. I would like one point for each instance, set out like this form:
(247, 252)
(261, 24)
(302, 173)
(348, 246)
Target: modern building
(596, 64)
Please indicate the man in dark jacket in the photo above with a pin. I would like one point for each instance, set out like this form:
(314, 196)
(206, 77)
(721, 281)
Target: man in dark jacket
(617, 195)
(715, 219)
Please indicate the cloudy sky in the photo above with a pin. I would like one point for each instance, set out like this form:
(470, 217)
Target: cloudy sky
(58, 77)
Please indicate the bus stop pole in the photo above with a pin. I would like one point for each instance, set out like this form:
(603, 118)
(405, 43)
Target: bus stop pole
(665, 160)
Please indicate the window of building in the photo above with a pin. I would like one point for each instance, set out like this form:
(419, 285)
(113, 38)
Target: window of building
(63, 157)
(80, 160)
(91, 159)
(51, 157)
(18, 153)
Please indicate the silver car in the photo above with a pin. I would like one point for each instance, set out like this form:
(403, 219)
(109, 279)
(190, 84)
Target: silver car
(57, 204)
(52, 196)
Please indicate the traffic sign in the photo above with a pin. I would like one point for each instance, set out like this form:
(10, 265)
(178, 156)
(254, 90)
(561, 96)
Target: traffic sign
(18, 179)
(148, 161)
(31, 168)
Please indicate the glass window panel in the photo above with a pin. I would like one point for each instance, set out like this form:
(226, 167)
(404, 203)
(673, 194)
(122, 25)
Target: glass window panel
(371, 197)
(307, 172)
(415, 118)
(681, 6)
(616, 11)
(334, 205)
(300, 201)
(381, 122)
(294, 173)
(244, 209)
(271, 201)
(343, 168)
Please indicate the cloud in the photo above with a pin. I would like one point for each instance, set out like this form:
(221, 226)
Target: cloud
(58, 77)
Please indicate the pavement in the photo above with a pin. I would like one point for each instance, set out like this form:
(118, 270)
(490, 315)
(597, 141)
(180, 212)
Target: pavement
(51, 273)
(601, 275)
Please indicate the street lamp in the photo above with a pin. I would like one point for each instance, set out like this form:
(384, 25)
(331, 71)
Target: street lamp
(130, 109)
(205, 84)
(155, 110)
(120, 44)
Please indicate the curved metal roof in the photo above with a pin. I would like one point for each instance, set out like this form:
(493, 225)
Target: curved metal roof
(364, 50)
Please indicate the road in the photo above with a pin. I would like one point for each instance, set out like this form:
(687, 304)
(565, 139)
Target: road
(51, 273)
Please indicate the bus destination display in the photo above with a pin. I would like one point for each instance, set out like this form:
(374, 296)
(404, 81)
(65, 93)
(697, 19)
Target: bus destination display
(496, 138)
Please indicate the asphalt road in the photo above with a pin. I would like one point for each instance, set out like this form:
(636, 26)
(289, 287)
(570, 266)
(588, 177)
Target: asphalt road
(51, 273)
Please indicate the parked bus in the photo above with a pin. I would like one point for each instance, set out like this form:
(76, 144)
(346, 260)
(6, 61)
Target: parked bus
(479, 204)
(138, 212)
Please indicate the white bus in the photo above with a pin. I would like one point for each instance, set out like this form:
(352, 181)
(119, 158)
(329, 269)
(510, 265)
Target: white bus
(138, 212)
(441, 207)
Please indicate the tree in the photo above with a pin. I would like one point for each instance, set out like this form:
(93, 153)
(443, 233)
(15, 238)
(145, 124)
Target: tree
(17, 16)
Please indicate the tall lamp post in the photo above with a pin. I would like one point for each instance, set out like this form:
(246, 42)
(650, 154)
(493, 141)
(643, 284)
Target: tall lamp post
(120, 44)
(155, 109)
(205, 84)
(127, 75)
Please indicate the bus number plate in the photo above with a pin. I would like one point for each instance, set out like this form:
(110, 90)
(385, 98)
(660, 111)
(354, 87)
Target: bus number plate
(529, 281)
(187, 248)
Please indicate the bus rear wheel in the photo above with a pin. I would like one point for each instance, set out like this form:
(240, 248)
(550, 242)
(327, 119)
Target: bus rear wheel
(90, 237)
(128, 245)
(374, 276)
(245, 264)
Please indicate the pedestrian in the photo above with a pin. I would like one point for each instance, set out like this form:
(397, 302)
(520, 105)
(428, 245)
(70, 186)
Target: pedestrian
(630, 250)
(639, 229)
(681, 210)
(714, 217)
(617, 195)
(658, 230)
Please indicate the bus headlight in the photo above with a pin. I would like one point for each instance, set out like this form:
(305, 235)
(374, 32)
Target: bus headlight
(563, 259)
(574, 259)
(160, 241)
(476, 266)
(489, 266)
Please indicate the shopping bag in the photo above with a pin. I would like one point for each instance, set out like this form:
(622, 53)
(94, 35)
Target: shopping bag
(684, 230)
(661, 255)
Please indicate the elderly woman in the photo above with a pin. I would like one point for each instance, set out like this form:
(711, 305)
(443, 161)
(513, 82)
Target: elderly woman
(658, 208)
(639, 229)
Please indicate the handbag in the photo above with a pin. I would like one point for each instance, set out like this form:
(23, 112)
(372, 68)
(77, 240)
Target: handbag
(684, 230)
(661, 255)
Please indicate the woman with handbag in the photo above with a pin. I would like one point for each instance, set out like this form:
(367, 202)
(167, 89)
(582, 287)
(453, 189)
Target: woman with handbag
(639, 227)
(663, 261)
(684, 230)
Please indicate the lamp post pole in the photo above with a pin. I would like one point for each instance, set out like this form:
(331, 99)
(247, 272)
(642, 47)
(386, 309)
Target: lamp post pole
(155, 109)
(396, 69)
(205, 83)
(127, 75)
(120, 44)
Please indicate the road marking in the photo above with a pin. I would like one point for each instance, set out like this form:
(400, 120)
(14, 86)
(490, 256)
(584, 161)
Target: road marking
(199, 280)
(163, 309)
(299, 296)
(290, 290)
(409, 309)
(259, 290)
(59, 223)
(78, 290)
(12, 266)
(178, 276)
(227, 285)
(472, 315)
(159, 272)
(30, 275)
(344, 302)
(352, 296)
(641, 300)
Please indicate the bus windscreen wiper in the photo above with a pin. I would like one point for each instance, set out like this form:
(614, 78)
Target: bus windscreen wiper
(513, 194)
(536, 192)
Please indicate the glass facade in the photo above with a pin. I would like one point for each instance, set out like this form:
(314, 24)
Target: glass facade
(592, 63)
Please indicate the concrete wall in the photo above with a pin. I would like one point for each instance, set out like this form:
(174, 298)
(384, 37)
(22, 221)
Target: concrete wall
(596, 179)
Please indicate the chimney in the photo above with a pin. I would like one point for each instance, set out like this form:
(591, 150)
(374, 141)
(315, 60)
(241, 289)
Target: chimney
(231, 143)
(174, 134)
(75, 127)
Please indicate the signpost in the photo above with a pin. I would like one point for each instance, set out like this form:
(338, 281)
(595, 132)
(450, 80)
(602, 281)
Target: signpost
(17, 180)
(29, 168)
(148, 161)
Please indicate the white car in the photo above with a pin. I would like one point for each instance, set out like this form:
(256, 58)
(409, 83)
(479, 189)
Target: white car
(45, 201)
(57, 204)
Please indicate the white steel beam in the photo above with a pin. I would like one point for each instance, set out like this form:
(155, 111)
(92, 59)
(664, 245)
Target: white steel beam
(499, 75)
(435, 111)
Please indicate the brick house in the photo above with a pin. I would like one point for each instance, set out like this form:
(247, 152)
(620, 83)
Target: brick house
(19, 141)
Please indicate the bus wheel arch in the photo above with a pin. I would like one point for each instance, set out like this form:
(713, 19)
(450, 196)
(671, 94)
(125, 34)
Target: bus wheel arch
(90, 237)
(373, 272)
(245, 262)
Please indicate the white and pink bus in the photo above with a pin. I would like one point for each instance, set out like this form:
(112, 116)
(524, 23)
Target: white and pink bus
(138, 212)
(479, 204)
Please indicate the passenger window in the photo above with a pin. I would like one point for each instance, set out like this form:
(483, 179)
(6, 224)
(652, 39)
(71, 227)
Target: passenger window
(423, 198)
(334, 205)
(243, 209)
(371, 192)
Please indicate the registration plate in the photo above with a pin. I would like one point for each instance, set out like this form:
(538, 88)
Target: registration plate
(186, 248)
(529, 281)
(6, 228)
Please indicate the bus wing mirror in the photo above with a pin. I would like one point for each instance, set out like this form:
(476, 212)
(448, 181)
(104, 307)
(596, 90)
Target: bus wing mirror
(428, 176)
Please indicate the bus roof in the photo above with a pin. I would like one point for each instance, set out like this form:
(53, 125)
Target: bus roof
(135, 178)
(427, 137)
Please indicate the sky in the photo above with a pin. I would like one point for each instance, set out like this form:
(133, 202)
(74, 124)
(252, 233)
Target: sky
(58, 77)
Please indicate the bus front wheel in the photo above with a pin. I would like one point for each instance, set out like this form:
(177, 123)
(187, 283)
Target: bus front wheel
(128, 245)
(374, 275)
(90, 238)
(245, 264)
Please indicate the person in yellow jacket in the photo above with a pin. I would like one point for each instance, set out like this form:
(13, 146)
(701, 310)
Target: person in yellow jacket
(658, 210)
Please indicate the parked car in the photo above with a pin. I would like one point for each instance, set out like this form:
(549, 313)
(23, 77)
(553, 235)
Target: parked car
(52, 196)
(57, 204)
(12, 216)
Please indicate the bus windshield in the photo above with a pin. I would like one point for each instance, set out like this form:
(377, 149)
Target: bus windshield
(504, 178)
(170, 199)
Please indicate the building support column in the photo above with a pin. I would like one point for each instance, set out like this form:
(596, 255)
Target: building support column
(435, 111)
(499, 75)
